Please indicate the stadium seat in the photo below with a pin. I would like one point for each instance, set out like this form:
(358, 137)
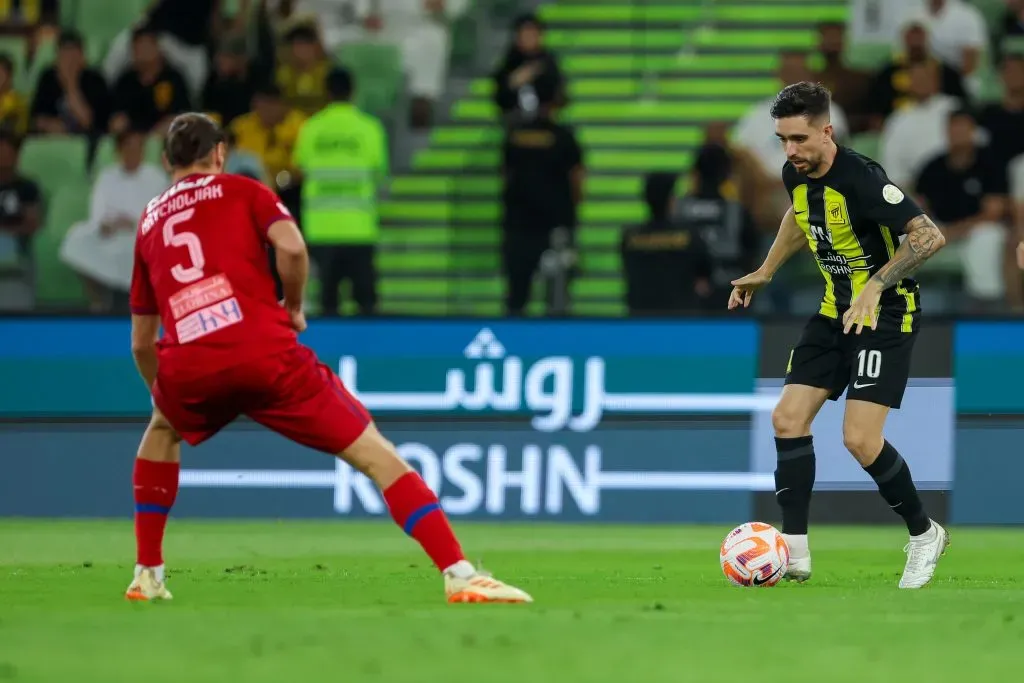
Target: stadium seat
(16, 47)
(868, 57)
(54, 161)
(99, 21)
(56, 284)
(106, 153)
(378, 72)
(868, 144)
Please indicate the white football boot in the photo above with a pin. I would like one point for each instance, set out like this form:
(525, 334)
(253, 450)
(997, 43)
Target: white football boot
(481, 587)
(799, 568)
(923, 553)
(147, 586)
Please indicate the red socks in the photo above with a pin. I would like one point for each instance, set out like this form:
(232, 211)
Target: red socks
(156, 487)
(415, 508)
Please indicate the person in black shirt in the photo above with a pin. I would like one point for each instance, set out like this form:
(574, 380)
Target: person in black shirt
(543, 173)
(860, 342)
(151, 93)
(20, 199)
(965, 191)
(229, 89)
(1004, 121)
(724, 225)
(667, 265)
(890, 89)
(71, 97)
(525, 62)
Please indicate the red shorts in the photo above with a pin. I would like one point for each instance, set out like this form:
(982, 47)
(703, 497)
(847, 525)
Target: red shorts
(291, 393)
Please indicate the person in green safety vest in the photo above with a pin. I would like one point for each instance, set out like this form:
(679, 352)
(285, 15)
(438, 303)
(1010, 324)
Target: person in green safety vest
(342, 156)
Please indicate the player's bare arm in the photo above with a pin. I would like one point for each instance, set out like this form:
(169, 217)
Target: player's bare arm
(923, 239)
(789, 240)
(145, 331)
(292, 266)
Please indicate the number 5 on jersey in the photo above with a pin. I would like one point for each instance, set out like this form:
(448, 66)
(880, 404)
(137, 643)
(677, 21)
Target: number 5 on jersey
(190, 241)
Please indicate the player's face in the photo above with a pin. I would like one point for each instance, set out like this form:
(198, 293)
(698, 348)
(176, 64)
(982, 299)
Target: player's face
(804, 141)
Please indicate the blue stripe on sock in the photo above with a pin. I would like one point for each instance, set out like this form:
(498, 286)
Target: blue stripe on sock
(150, 507)
(416, 516)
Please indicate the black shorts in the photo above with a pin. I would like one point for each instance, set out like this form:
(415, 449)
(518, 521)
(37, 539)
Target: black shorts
(875, 364)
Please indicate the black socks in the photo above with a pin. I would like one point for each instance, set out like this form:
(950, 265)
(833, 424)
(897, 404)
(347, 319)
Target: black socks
(892, 475)
(794, 480)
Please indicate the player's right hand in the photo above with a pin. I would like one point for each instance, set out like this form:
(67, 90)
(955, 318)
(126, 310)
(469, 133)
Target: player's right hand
(298, 319)
(743, 288)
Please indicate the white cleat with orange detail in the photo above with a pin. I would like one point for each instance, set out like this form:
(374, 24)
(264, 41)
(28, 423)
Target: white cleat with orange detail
(482, 587)
(146, 587)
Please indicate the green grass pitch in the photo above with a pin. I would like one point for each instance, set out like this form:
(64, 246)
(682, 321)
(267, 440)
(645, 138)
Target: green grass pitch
(342, 601)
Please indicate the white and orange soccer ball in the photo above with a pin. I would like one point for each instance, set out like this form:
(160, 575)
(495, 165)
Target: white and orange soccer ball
(754, 554)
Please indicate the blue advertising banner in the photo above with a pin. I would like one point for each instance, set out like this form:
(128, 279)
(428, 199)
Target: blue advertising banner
(988, 365)
(562, 374)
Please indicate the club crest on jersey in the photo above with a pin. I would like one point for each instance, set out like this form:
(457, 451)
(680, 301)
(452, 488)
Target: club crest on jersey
(834, 213)
(821, 234)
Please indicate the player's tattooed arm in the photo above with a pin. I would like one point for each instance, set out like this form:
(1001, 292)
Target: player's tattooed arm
(922, 240)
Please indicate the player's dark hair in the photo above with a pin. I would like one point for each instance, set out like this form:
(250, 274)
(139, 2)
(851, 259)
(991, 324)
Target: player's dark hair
(190, 139)
(340, 84)
(811, 100)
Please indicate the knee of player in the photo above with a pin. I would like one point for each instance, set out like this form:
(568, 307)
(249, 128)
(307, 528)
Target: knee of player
(863, 444)
(788, 424)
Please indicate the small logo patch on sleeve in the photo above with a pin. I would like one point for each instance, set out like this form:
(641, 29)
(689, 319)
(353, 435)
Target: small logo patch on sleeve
(892, 194)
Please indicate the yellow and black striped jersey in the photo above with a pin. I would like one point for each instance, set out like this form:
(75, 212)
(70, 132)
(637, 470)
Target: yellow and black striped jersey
(853, 217)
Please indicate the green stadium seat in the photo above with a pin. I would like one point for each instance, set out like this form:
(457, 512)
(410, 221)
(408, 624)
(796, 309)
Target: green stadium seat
(106, 153)
(54, 161)
(16, 47)
(868, 57)
(379, 75)
(100, 21)
(868, 144)
(56, 284)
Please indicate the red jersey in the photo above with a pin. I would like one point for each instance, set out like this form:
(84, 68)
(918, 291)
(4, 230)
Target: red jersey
(201, 263)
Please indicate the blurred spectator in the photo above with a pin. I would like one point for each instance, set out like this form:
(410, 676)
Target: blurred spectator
(543, 172)
(878, 22)
(101, 249)
(342, 154)
(20, 207)
(958, 33)
(525, 61)
(244, 162)
(302, 75)
(849, 86)
(420, 28)
(759, 150)
(964, 191)
(1012, 26)
(29, 12)
(666, 264)
(270, 131)
(13, 109)
(71, 97)
(915, 134)
(1004, 121)
(229, 89)
(890, 91)
(151, 93)
(725, 227)
(184, 29)
(338, 20)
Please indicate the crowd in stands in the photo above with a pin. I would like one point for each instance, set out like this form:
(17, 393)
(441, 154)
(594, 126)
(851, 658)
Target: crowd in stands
(262, 68)
(943, 111)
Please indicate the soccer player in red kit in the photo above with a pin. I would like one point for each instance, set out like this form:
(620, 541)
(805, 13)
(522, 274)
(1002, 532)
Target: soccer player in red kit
(230, 348)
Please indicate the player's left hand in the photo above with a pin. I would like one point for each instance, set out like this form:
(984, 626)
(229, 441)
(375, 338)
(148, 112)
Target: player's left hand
(863, 310)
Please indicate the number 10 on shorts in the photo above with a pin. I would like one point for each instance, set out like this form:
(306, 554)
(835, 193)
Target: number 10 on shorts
(869, 363)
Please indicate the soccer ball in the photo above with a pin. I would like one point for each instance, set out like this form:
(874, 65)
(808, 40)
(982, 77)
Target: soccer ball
(754, 554)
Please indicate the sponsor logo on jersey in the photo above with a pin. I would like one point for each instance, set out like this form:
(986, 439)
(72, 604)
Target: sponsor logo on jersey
(203, 293)
(208, 320)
